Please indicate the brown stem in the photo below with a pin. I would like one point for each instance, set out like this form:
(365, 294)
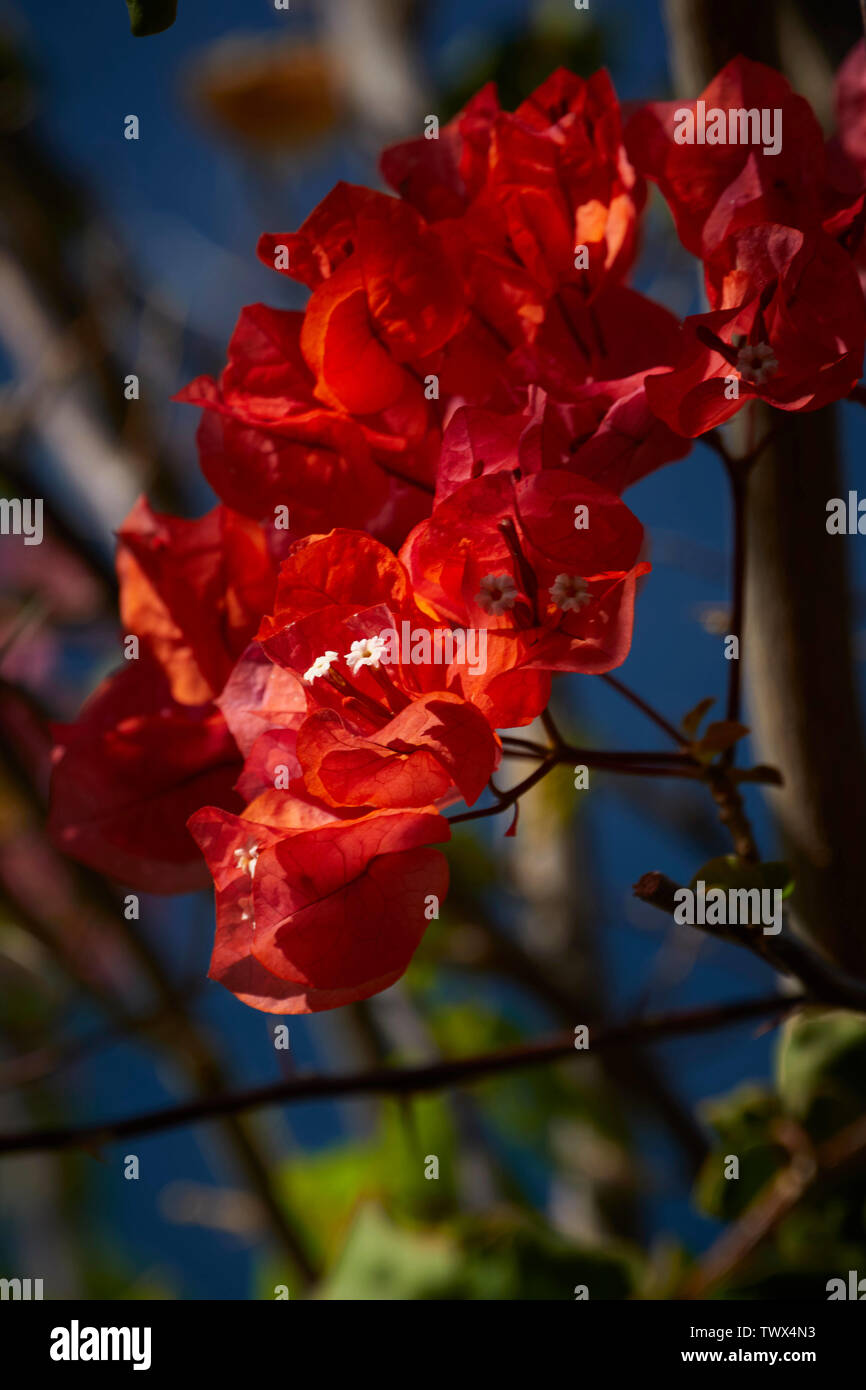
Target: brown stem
(399, 1080)
(508, 798)
(785, 952)
(552, 730)
(723, 785)
(646, 709)
(732, 813)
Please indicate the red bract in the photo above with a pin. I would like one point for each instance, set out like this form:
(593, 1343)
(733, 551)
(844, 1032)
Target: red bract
(532, 205)
(385, 296)
(441, 176)
(471, 384)
(395, 301)
(536, 184)
(547, 565)
(384, 729)
(349, 574)
(593, 359)
(266, 441)
(129, 773)
(619, 334)
(716, 188)
(847, 154)
(789, 329)
(194, 592)
(606, 433)
(435, 743)
(314, 912)
(559, 172)
(345, 568)
(260, 696)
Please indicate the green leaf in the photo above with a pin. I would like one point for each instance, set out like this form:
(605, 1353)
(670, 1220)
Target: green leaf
(510, 1259)
(743, 1122)
(727, 871)
(151, 16)
(322, 1189)
(495, 1258)
(824, 1234)
(383, 1261)
(821, 1069)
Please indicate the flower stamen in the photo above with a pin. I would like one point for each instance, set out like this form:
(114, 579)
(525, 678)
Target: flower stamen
(320, 667)
(570, 592)
(367, 652)
(247, 858)
(756, 362)
(498, 594)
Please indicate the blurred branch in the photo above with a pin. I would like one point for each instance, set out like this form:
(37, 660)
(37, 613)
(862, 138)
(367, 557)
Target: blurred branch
(104, 478)
(395, 1081)
(832, 1162)
(370, 42)
(44, 1063)
(664, 724)
(568, 983)
(151, 16)
(180, 1031)
(825, 983)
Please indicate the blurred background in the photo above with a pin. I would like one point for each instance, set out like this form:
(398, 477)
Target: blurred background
(121, 257)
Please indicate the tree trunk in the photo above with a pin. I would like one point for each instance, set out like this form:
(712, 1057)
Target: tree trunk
(797, 648)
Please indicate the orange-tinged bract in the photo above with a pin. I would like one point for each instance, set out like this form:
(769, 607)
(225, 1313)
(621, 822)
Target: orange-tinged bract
(420, 519)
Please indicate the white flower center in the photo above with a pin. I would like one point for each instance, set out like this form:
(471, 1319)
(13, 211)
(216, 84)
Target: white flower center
(497, 594)
(247, 858)
(569, 592)
(320, 667)
(756, 362)
(367, 652)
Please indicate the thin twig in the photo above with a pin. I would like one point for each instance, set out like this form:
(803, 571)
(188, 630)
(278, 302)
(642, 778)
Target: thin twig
(550, 727)
(723, 784)
(399, 1080)
(508, 798)
(647, 709)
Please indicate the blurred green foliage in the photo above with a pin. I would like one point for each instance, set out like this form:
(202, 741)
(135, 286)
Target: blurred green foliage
(820, 1089)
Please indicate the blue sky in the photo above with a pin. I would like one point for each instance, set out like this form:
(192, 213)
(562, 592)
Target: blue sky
(183, 207)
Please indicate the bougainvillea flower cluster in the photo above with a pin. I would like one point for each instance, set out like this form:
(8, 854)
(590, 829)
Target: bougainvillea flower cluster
(420, 519)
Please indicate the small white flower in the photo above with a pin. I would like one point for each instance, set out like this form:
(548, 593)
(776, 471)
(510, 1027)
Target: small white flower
(367, 652)
(569, 592)
(247, 858)
(320, 667)
(756, 362)
(498, 593)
